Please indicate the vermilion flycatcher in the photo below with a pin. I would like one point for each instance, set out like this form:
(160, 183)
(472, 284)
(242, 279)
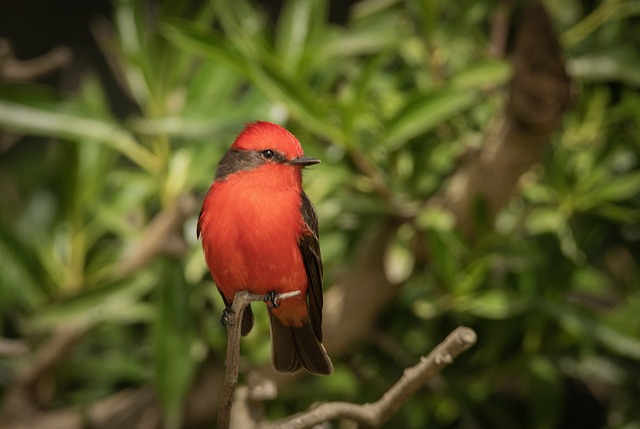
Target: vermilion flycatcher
(260, 234)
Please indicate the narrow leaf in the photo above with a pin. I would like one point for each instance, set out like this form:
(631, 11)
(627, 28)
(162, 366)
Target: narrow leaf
(50, 123)
(173, 336)
(426, 113)
(617, 189)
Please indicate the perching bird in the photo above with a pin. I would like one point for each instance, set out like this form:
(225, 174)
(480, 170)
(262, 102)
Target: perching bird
(260, 233)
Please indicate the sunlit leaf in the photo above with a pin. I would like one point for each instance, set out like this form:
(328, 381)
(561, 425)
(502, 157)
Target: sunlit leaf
(488, 73)
(399, 259)
(542, 220)
(491, 304)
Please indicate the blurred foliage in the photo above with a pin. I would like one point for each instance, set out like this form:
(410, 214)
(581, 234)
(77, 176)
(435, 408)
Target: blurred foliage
(390, 101)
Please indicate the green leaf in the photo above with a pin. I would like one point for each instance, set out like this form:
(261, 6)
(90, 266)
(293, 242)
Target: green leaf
(584, 325)
(618, 213)
(592, 282)
(545, 220)
(399, 259)
(445, 250)
(173, 335)
(483, 74)
(427, 310)
(202, 41)
(475, 274)
(50, 122)
(620, 342)
(292, 32)
(424, 114)
(436, 218)
(301, 101)
(495, 304)
(615, 189)
(620, 64)
(116, 301)
(545, 390)
(264, 70)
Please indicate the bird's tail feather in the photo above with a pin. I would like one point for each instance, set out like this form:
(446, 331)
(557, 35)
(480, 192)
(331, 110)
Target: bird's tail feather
(294, 347)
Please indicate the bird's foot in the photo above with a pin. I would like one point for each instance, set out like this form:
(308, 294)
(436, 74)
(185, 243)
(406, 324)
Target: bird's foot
(228, 317)
(271, 299)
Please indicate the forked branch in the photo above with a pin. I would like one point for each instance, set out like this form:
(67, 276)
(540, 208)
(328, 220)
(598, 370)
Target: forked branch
(378, 413)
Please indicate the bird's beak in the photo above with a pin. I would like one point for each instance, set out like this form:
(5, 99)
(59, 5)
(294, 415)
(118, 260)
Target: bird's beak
(303, 161)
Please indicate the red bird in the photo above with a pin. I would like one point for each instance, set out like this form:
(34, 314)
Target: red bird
(260, 234)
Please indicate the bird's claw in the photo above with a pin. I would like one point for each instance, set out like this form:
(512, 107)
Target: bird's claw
(271, 299)
(228, 317)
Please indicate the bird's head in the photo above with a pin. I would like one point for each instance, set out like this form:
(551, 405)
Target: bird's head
(263, 143)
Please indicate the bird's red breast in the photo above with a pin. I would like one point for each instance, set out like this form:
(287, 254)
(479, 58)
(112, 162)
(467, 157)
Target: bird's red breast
(251, 224)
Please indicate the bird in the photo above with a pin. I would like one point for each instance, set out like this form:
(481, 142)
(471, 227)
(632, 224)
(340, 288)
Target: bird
(259, 233)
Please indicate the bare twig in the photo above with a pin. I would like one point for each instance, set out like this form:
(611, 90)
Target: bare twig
(460, 340)
(13, 69)
(378, 413)
(234, 325)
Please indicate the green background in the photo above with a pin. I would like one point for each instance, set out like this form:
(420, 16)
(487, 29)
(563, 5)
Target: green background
(98, 206)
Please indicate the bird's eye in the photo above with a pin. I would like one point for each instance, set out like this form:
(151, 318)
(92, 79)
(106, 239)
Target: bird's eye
(268, 154)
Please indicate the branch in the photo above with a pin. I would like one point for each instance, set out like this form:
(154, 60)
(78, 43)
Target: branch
(378, 413)
(13, 69)
(234, 325)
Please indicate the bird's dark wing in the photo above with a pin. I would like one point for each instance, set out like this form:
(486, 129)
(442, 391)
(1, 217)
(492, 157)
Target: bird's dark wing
(310, 250)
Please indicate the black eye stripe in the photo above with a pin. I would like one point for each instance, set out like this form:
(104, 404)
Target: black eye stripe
(246, 160)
